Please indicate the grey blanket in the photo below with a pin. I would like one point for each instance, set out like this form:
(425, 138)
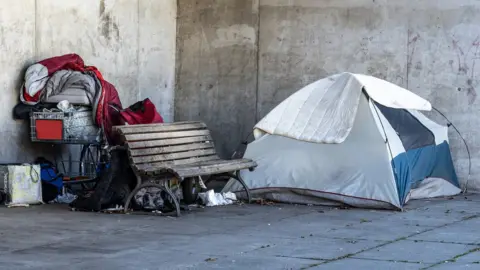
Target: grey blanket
(81, 87)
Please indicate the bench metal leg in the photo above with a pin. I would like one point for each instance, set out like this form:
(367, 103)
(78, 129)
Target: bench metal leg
(137, 188)
(164, 188)
(170, 193)
(139, 180)
(237, 176)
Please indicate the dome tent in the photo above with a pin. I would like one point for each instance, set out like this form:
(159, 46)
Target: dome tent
(350, 139)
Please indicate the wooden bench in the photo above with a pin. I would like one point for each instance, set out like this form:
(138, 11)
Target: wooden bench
(182, 150)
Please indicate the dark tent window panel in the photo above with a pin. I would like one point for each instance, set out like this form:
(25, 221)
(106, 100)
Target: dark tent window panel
(412, 133)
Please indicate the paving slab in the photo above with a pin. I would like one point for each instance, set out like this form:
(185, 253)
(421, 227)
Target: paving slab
(380, 230)
(472, 257)
(445, 201)
(357, 215)
(361, 264)
(256, 262)
(451, 206)
(418, 217)
(467, 232)
(144, 259)
(207, 245)
(417, 252)
(456, 266)
(293, 227)
(317, 248)
(225, 244)
(319, 223)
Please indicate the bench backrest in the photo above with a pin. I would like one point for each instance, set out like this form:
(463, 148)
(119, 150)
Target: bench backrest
(155, 147)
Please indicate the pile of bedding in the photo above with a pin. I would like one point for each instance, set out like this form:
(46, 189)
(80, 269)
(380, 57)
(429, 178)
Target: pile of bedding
(66, 77)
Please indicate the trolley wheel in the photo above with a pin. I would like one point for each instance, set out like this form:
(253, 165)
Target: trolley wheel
(190, 190)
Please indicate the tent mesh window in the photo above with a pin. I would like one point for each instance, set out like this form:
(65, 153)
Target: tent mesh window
(412, 133)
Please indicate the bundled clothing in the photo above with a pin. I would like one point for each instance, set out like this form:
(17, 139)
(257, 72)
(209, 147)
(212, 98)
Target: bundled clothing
(38, 75)
(53, 79)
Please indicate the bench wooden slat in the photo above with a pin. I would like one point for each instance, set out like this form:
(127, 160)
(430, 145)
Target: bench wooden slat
(117, 128)
(153, 167)
(173, 156)
(166, 135)
(166, 142)
(171, 149)
(220, 167)
(161, 128)
(198, 166)
(206, 163)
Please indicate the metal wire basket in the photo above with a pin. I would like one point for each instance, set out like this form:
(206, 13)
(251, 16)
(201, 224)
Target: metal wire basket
(64, 128)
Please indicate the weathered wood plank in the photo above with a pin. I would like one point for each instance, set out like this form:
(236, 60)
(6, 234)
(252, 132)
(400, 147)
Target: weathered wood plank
(173, 156)
(213, 169)
(128, 130)
(166, 135)
(171, 149)
(166, 142)
(115, 128)
(213, 162)
(158, 166)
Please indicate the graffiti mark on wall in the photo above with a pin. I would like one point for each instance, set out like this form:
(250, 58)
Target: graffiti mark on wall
(466, 60)
(411, 46)
(107, 27)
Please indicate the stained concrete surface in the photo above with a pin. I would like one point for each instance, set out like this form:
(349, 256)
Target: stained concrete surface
(216, 74)
(246, 237)
(156, 53)
(444, 49)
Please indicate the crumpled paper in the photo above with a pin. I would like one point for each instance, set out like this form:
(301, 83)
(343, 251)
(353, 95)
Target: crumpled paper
(210, 198)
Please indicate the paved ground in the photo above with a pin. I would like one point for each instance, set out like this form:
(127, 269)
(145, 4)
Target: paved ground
(436, 234)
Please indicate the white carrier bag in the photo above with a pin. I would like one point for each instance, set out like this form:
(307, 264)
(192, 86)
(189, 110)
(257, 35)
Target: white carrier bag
(23, 185)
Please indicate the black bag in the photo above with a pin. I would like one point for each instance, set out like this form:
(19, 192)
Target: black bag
(22, 111)
(113, 187)
(49, 192)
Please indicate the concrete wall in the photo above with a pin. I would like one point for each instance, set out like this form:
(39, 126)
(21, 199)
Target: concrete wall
(131, 41)
(157, 40)
(217, 67)
(431, 47)
(444, 66)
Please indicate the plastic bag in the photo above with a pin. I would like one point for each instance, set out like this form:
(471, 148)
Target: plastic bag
(210, 198)
(24, 184)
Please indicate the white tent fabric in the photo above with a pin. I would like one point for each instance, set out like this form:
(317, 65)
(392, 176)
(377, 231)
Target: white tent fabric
(330, 143)
(433, 187)
(332, 102)
(361, 162)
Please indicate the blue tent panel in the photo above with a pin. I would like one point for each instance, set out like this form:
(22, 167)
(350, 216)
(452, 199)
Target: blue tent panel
(415, 165)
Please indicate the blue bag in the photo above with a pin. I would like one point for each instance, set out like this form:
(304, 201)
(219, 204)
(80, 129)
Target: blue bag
(49, 174)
